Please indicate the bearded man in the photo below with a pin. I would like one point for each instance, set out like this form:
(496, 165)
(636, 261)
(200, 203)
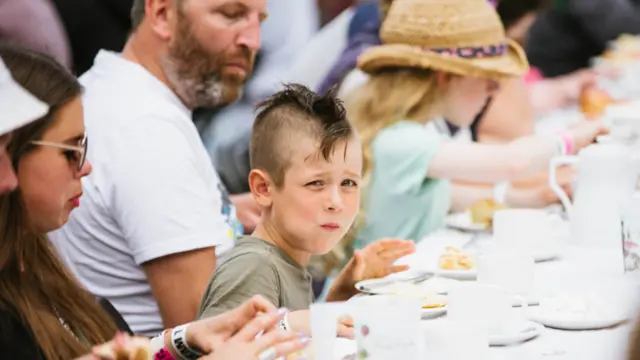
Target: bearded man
(154, 215)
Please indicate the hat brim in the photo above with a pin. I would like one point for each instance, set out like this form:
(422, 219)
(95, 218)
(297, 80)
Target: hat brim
(18, 107)
(512, 63)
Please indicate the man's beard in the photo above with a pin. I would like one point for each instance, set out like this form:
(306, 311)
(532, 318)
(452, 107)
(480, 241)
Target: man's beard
(195, 74)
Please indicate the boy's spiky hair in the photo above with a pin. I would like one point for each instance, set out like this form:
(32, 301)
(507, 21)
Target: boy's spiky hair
(285, 116)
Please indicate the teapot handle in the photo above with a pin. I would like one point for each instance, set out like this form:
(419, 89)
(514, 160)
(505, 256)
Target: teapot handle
(553, 181)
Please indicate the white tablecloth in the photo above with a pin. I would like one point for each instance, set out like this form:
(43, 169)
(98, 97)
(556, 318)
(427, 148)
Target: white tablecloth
(577, 270)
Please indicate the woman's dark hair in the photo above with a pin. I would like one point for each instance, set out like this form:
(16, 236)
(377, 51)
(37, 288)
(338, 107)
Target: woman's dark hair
(34, 283)
(511, 11)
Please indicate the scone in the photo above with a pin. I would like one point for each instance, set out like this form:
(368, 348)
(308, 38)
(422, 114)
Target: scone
(455, 259)
(594, 101)
(482, 212)
(136, 348)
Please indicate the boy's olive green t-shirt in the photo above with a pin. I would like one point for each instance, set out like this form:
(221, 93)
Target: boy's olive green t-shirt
(255, 266)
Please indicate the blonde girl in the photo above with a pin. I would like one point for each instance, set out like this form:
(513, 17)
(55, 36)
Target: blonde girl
(440, 59)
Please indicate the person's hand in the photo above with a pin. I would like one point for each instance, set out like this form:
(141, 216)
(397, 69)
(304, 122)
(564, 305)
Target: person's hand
(585, 133)
(376, 260)
(551, 94)
(573, 84)
(300, 321)
(206, 335)
(247, 210)
(248, 344)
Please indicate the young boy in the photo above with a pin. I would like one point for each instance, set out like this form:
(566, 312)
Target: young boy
(306, 162)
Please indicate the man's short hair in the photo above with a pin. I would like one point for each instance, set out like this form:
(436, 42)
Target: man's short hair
(290, 115)
(137, 13)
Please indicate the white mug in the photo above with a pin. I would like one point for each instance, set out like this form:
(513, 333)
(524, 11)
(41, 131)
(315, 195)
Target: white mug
(486, 306)
(526, 230)
(513, 272)
(385, 327)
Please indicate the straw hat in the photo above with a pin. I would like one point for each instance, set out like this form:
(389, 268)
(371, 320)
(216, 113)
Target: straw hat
(463, 37)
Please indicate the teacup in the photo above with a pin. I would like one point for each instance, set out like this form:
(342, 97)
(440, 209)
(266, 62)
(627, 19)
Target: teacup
(487, 307)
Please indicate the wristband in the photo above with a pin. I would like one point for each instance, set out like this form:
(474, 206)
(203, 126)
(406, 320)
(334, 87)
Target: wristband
(157, 343)
(179, 343)
(163, 354)
(567, 143)
(500, 192)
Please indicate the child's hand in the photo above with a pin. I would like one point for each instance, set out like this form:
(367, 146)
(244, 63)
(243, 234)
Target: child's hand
(376, 260)
(300, 321)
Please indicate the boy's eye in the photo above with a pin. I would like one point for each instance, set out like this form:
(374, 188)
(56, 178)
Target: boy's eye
(349, 183)
(315, 183)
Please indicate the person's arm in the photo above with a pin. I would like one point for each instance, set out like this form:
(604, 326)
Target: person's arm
(170, 214)
(16, 340)
(248, 210)
(510, 114)
(512, 161)
(178, 282)
(238, 280)
(533, 194)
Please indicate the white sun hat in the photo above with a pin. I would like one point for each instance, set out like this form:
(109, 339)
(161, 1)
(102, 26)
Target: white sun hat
(18, 107)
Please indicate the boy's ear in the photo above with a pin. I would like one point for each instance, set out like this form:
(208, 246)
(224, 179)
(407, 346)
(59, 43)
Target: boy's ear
(261, 186)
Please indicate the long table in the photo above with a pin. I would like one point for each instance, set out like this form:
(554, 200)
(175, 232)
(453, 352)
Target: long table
(578, 269)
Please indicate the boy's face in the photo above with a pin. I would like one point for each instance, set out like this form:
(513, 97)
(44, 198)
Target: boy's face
(319, 199)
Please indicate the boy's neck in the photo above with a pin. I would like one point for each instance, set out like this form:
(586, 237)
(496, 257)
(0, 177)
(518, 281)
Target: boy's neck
(269, 234)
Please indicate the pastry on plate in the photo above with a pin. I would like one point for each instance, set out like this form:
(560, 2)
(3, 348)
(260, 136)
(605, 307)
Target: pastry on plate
(455, 259)
(594, 101)
(482, 212)
(131, 348)
(434, 301)
(429, 298)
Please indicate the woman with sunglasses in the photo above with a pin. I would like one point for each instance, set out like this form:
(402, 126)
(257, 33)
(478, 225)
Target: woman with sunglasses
(45, 314)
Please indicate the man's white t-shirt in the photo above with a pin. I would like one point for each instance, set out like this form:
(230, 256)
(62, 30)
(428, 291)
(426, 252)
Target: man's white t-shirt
(153, 191)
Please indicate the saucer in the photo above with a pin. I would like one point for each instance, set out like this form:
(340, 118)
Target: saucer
(572, 322)
(432, 313)
(462, 221)
(528, 331)
(470, 274)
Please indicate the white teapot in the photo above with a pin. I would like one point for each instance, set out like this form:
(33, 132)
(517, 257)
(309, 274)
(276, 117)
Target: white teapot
(606, 178)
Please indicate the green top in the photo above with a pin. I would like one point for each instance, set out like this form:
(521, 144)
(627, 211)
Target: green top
(400, 201)
(255, 266)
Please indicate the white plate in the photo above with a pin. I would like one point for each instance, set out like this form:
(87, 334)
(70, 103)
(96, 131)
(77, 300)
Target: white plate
(471, 274)
(462, 221)
(433, 312)
(528, 331)
(573, 322)
(429, 313)
(541, 255)
(436, 285)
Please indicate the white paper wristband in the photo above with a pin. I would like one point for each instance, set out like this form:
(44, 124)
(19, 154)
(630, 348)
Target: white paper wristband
(157, 343)
(179, 343)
